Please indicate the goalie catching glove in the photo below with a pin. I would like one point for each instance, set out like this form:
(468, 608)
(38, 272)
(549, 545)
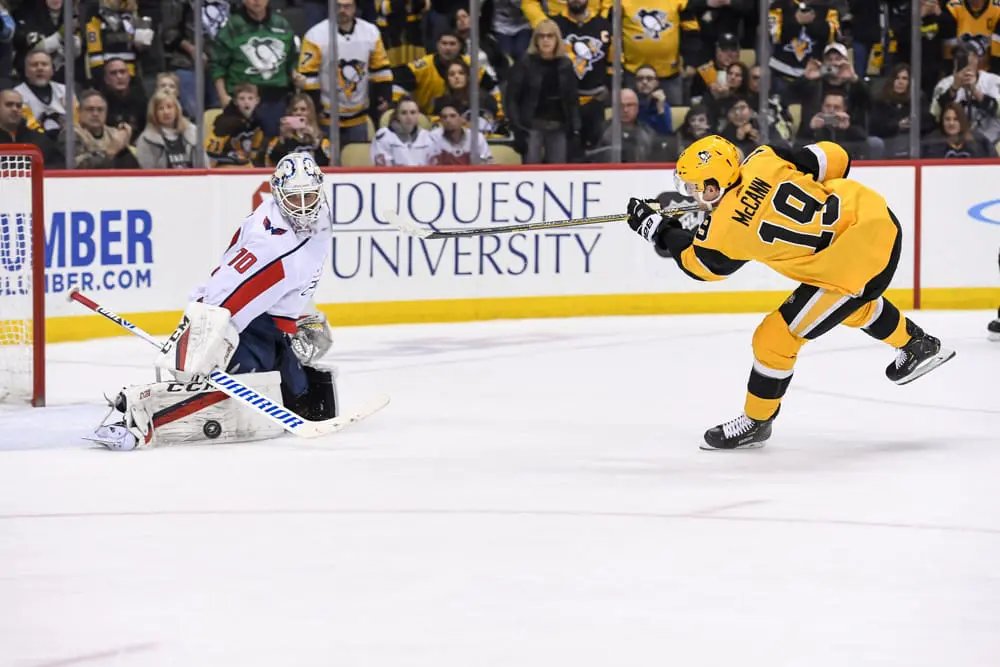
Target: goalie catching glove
(204, 340)
(312, 339)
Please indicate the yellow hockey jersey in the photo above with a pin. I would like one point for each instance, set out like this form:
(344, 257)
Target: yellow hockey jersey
(363, 65)
(959, 23)
(401, 24)
(537, 10)
(652, 34)
(424, 80)
(815, 228)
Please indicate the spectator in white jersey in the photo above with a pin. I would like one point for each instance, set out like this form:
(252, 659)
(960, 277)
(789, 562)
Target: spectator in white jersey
(16, 129)
(44, 98)
(978, 92)
(452, 142)
(403, 143)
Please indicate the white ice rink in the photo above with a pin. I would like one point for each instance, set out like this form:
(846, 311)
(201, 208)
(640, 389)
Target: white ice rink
(533, 496)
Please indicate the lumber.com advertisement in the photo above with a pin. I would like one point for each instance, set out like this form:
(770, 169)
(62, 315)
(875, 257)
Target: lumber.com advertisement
(141, 243)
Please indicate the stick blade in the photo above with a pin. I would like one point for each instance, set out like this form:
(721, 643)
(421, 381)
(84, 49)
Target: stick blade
(317, 429)
(407, 226)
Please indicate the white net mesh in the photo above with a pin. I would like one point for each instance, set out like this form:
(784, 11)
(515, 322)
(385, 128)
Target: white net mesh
(16, 303)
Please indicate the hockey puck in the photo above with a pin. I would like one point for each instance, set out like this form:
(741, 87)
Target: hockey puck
(212, 429)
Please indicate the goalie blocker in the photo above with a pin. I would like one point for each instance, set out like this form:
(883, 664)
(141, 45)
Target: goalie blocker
(188, 409)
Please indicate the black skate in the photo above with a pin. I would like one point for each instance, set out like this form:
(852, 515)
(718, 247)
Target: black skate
(739, 433)
(918, 357)
(994, 329)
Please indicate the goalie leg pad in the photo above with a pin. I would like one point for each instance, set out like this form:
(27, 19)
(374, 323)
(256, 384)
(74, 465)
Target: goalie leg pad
(165, 413)
(320, 400)
(203, 341)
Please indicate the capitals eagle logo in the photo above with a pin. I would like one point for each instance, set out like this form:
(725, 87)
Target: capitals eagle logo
(653, 22)
(584, 51)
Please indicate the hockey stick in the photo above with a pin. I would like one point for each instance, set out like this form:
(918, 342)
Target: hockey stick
(427, 232)
(242, 394)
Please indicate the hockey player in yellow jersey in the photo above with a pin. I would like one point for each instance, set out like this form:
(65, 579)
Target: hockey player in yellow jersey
(796, 212)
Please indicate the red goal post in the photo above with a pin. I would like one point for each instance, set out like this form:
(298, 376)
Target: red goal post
(22, 275)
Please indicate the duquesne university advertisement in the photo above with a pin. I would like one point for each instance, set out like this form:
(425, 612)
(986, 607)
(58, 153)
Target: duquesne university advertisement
(146, 241)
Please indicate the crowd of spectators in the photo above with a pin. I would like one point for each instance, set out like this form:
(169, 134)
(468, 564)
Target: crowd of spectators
(839, 70)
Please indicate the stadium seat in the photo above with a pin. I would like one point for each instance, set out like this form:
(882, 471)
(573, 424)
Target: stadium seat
(356, 155)
(748, 57)
(383, 120)
(208, 119)
(795, 111)
(504, 155)
(677, 116)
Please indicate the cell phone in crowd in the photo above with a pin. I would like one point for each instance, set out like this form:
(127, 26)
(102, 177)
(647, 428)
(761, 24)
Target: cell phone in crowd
(829, 119)
(294, 122)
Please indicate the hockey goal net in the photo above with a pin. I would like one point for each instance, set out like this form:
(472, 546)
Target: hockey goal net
(22, 276)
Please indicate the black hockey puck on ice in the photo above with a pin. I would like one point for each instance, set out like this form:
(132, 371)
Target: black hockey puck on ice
(212, 429)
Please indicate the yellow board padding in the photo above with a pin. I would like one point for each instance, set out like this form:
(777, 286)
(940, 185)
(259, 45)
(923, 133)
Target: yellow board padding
(960, 298)
(62, 329)
(465, 310)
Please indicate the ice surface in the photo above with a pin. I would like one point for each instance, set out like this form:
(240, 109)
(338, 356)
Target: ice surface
(534, 496)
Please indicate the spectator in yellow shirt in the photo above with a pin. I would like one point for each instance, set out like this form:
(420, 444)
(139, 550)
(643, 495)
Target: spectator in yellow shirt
(659, 33)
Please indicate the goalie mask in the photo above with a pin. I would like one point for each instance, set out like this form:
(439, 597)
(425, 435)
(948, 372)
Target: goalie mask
(709, 161)
(297, 187)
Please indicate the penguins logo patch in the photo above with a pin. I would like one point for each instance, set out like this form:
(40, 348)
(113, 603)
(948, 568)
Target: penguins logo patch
(801, 46)
(583, 51)
(351, 74)
(653, 22)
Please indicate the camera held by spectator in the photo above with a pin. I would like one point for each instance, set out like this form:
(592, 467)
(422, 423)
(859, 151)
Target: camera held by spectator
(977, 91)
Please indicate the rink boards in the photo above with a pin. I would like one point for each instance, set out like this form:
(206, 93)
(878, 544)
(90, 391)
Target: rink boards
(141, 242)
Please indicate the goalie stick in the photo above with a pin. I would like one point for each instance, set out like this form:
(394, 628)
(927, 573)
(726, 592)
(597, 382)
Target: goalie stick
(426, 232)
(242, 394)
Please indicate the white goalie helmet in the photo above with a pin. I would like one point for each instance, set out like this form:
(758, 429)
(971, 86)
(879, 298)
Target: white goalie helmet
(297, 186)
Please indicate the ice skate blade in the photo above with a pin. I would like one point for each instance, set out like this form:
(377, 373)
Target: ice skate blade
(927, 366)
(705, 447)
(995, 337)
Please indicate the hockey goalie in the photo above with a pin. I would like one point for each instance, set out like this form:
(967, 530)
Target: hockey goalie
(249, 319)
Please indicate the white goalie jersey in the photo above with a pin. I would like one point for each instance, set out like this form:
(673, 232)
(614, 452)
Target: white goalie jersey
(268, 269)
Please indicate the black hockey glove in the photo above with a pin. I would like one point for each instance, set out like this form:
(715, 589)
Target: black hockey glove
(643, 220)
